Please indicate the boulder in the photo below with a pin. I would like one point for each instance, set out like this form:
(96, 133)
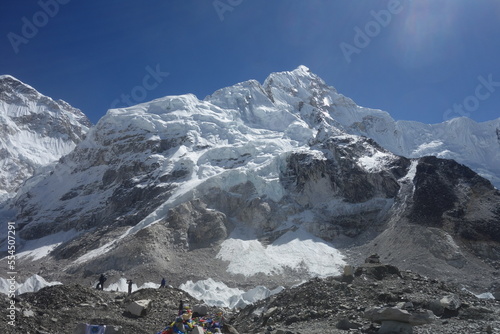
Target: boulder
(405, 305)
(377, 270)
(229, 329)
(379, 314)
(390, 327)
(451, 302)
(200, 309)
(374, 258)
(496, 294)
(348, 270)
(346, 324)
(197, 330)
(422, 318)
(396, 320)
(139, 308)
(435, 306)
(348, 275)
(28, 313)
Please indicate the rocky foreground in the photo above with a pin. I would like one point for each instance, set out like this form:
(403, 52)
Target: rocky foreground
(373, 298)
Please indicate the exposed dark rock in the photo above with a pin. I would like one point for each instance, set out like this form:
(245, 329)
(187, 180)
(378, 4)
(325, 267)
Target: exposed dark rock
(452, 197)
(377, 270)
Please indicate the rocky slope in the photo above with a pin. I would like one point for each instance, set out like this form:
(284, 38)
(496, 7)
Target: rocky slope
(446, 226)
(341, 305)
(331, 305)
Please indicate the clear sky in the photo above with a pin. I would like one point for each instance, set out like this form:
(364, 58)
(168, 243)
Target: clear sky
(423, 60)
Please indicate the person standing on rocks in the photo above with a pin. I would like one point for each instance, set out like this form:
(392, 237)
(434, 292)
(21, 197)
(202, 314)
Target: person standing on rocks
(100, 285)
(181, 307)
(129, 282)
(163, 282)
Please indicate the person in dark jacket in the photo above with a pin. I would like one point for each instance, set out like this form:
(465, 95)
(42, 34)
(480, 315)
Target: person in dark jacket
(129, 286)
(100, 285)
(181, 306)
(163, 282)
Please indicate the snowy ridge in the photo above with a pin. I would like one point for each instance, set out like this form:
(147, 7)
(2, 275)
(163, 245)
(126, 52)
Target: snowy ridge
(37, 132)
(476, 145)
(286, 95)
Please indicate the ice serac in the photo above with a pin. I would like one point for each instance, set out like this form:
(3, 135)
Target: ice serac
(264, 166)
(36, 131)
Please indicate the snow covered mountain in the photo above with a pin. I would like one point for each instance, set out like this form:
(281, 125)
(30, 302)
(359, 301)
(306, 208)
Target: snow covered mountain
(36, 132)
(476, 145)
(262, 183)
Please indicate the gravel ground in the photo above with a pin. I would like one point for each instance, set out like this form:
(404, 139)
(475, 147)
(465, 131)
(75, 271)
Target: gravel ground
(329, 305)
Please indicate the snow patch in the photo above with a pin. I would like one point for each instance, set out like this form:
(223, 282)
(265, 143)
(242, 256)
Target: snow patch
(219, 294)
(375, 162)
(485, 295)
(122, 286)
(32, 284)
(295, 250)
(39, 248)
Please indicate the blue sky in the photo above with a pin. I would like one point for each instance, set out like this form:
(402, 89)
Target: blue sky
(423, 60)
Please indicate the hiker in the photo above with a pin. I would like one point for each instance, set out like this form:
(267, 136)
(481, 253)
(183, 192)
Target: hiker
(163, 282)
(100, 285)
(181, 307)
(129, 286)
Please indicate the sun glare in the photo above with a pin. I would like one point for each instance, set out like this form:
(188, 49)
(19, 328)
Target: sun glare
(428, 35)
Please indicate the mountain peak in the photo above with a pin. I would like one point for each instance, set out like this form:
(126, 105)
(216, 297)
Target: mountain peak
(299, 83)
(300, 73)
(11, 86)
(11, 81)
(7, 76)
(37, 131)
(302, 68)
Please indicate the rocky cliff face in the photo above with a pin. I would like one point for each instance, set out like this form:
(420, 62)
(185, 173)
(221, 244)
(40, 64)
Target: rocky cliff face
(453, 198)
